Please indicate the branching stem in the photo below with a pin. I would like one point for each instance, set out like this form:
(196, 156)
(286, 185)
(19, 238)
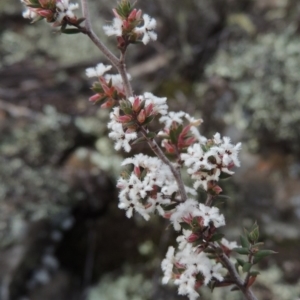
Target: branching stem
(119, 64)
(236, 277)
(175, 171)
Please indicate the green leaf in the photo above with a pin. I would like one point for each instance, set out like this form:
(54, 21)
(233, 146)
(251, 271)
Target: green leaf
(169, 207)
(253, 235)
(258, 256)
(139, 140)
(240, 262)
(80, 20)
(142, 105)
(149, 119)
(178, 130)
(127, 110)
(235, 288)
(244, 242)
(151, 135)
(216, 237)
(173, 137)
(263, 253)
(70, 31)
(224, 175)
(254, 273)
(34, 5)
(242, 251)
(246, 267)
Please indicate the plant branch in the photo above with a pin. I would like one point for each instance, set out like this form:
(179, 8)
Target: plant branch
(175, 171)
(91, 34)
(119, 64)
(236, 277)
(123, 73)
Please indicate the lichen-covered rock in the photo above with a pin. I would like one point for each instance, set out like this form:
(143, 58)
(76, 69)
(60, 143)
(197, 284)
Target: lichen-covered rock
(264, 73)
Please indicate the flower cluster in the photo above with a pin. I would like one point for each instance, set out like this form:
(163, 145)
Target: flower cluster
(126, 23)
(193, 265)
(57, 12)
(149, 188)
(177, 137)
(110, 89)
(211, 160)
(128, 118)
(190, 269)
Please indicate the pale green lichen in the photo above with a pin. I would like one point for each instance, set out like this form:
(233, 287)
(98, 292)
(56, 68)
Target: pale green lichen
(19, 45)
(265, 74)
(29, 194)
(126, 287)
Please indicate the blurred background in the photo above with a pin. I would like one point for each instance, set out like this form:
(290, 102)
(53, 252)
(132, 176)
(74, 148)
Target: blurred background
(234, 63)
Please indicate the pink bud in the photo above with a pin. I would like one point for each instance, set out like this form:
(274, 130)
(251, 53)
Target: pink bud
(138, 14)
(183, 143)
(141, 117)
(124, 119)
(213, 188)
(108, 104)
(136, 104)
(169, 147)
(167, 215)
(192, 238)
(137, 171)
(46, 13)
(95, 98)
(188, 219)
(45, 3)
(126, 24)
(132, 15)
(149, 109)
(185, 130)
(116, 14)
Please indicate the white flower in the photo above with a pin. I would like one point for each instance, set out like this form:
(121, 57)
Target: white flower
(167, 265)
(130, 205)
(202, 179)
(196, 159)
(29, 14)
(138, 189)
(183, 211)
(116, 80)
(210, 214)
(159, 104)
(186, 285)
(117, 132)
(214, 272)
(65, 9)
(172, 117)
(147, 30)
(122, 138)
(228, 151)
(182, 239)
(115, 28)
(229, 245)
(98, 71)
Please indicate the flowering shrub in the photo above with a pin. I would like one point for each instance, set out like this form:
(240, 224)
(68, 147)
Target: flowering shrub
(154, 184)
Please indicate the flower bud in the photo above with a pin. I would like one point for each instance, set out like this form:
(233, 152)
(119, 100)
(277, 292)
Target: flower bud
(124, 119)
(136, 104)
(192, 238)
(95, 98)
(137, 171)
(141, 117)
